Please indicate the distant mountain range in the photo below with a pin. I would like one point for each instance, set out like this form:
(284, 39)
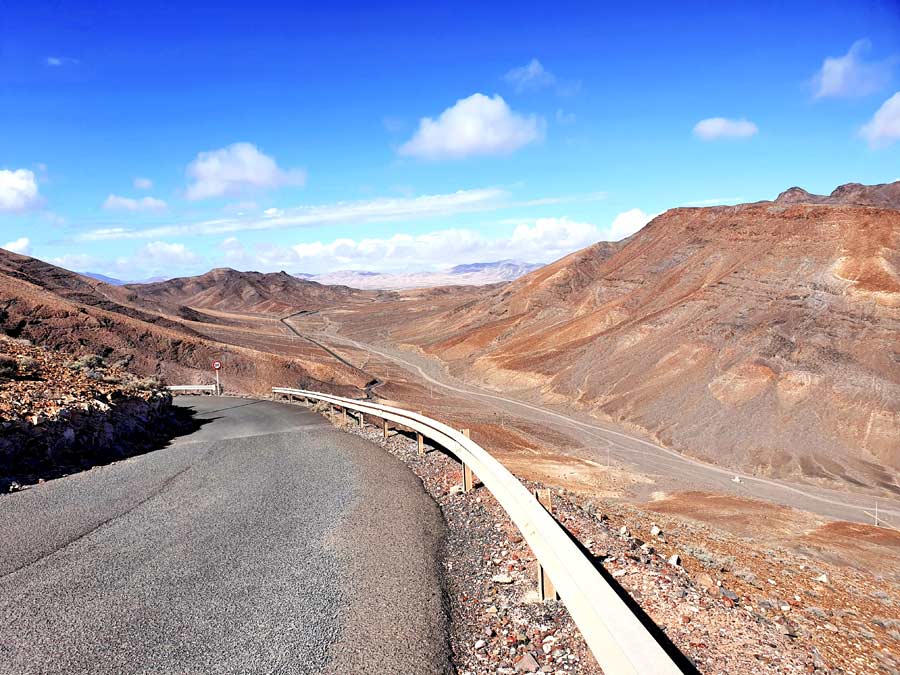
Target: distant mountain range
(112, 281)
(473, 274)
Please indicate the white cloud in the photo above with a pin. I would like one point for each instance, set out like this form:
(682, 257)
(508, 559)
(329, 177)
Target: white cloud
(849, 75)
(477, 125)
(401, 251)
(530, 77)
(884, 127)
(57, 61)
(627, 223)
(21, 245)
(117, 203)
(357, 212)
(236, 169)
(539, 240)
(18, 190)
(164, 254)
(158, 258)
(143, 183)
(716, 128)
(714, 201)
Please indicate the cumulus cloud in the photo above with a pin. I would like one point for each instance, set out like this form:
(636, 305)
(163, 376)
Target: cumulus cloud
(545, 239)
(884, 127)
(161, 253)
(538, 240)
(143, 183)
(117, 203)
(18, 190)
(158, 258)
(627, 223)
(477, 125)
(716, 128)
(236, 169)
(21, 245)
(531, 76)
(851, 75)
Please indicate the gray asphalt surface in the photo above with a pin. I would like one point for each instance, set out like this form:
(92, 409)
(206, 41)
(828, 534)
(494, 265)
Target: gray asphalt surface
(265, 542)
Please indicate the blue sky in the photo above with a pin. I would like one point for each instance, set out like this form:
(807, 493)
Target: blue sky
(148, 141)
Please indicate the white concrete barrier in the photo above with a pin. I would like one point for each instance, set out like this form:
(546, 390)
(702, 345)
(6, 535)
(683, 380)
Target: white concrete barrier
(619, 641)
(181, 388)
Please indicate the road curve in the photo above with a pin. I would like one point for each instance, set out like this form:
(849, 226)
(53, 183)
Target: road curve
(653, 458)
(264, 542)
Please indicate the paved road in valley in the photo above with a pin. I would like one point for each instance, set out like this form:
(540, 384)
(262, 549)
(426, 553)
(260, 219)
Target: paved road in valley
(671, 468)
(264, 542)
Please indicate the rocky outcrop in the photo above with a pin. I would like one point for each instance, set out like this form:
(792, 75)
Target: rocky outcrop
(81, 436)
(59, 414)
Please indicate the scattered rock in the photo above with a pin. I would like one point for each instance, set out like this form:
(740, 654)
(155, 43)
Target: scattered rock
(526, 664)
(675, 560)
(502, 579)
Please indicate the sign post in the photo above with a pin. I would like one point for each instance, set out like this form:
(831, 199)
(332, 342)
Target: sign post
(217, 366)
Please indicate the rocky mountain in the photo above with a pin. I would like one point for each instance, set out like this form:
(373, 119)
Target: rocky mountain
(473, 274)
(230, 290)
(764, 336)
(112, 281)
(80, 316)
(885, 195)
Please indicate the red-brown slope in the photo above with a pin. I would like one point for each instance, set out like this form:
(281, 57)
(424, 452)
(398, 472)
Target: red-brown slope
(763, 336)
(62, 310)
(227, 289)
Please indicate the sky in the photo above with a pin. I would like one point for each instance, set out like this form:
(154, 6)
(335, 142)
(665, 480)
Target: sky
(145, 141)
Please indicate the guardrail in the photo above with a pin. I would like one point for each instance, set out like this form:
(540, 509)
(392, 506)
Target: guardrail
(621, 644)
(176, 388)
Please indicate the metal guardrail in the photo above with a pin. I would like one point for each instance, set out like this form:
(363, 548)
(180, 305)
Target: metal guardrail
(621, 644)
(192, 387)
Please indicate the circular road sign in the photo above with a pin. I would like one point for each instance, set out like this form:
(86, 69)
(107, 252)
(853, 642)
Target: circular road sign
(217, 364)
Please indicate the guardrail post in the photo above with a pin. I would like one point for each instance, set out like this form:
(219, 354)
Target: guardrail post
(420, 439)
(362, 419)
(468, 476)
(385, 428)
(344, 410)
(546, 590)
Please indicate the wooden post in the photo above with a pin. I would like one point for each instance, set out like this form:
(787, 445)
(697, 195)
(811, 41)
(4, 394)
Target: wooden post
(362, 419)
(468, 479)
(345, 415)
(384, 425)
(546, 589)
(420, 439)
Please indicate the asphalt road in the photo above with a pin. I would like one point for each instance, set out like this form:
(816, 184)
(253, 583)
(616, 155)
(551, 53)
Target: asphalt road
(264, 542)
(671, 469)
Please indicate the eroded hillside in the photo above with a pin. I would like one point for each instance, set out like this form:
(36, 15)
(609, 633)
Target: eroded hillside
(761, 336)
(65, 311)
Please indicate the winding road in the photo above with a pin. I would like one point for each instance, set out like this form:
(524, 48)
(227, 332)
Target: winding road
(264, 542)
(654, 460)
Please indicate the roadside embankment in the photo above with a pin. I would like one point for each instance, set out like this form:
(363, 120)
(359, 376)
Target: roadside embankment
(59, 415)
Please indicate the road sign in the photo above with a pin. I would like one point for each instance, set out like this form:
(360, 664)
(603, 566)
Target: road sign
(217, 364)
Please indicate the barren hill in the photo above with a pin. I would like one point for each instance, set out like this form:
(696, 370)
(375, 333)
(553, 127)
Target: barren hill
(62, 310)
(230, 290)
(763, 336)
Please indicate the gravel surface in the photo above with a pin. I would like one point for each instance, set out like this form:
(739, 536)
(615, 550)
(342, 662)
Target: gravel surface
(713, 613)
(229, 551)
